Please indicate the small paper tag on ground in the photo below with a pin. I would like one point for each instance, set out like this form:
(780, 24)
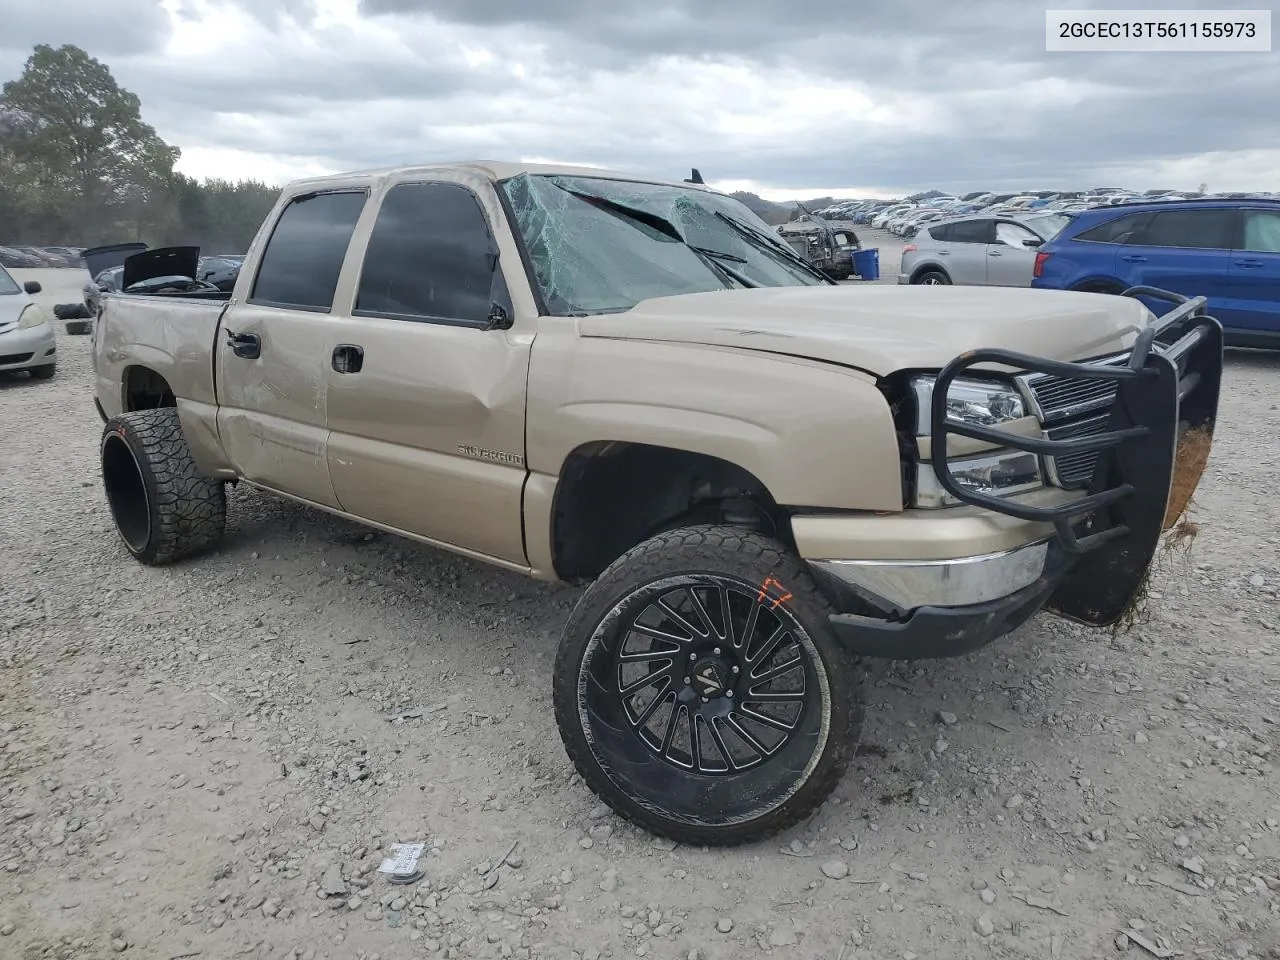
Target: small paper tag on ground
(403, 859)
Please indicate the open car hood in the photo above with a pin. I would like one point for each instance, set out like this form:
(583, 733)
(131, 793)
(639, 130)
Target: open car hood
(160, 262)
(97, 259)
(884, 328)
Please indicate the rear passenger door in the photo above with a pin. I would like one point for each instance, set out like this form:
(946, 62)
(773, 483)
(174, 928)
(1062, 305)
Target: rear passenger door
(963, 254)
(270, 359)
(425, 399)
(1186, 250)
(1255, 275)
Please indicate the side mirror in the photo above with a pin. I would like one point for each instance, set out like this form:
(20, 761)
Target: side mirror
(32, 287)
(1034, 242)
(104, 286)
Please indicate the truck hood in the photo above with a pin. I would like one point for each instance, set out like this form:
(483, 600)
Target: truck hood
(883, 328)
(161, 262)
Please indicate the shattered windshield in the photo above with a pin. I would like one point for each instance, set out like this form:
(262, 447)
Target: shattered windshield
(602, 246)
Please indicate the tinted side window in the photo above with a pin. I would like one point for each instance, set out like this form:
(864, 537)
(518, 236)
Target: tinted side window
(1119, 230)
(1261, 231)
(971, 231)
(1202, 229)
(304, 255)
(941, 232)
(430, 255)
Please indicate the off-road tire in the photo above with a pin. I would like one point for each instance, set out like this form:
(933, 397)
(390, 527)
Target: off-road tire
(165, 509)
(71, 311)
(932, 278)
(601, 619)
(44, 372)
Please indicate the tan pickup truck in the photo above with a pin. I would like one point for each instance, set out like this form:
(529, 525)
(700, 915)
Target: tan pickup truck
(763, 475)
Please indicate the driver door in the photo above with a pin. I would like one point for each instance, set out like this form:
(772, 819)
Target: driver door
(1010, 260)
(425, 384)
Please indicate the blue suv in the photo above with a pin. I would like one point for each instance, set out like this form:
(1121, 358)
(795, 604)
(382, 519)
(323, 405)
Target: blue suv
(1225, 250)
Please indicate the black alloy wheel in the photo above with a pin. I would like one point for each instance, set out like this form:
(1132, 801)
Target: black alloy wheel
(710, 704)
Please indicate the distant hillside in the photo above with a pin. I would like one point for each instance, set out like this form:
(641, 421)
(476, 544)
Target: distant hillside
(771, 212)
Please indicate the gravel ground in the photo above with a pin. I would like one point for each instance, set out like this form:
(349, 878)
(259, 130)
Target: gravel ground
(210, 760)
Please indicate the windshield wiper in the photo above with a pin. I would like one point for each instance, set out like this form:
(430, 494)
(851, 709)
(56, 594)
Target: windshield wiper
(756, 240)
(651, 220)
(718, 258)
(665, 227)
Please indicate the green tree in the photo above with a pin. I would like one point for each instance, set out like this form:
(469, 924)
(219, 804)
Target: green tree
(83, 148)
(79, 166)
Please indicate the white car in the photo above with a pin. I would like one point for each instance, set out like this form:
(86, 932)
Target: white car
(27, 341)
(881, 219)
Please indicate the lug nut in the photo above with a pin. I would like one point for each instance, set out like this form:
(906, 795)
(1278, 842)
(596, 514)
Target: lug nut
(704, 700)
(735, 670)
(688, 680)
(716, 651)
(729, 694)
(693, 656)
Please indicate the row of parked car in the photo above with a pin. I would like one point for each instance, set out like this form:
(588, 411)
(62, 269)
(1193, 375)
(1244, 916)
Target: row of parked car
(1226, 249)
(904, 218)
(33, 258)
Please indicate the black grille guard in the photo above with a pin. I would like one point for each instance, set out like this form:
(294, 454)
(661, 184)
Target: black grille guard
(1169, 384)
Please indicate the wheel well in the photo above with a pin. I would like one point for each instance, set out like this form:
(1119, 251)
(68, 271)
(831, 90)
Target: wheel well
(1099, 286)
(613, 495)
(921, 270)
(144, 389)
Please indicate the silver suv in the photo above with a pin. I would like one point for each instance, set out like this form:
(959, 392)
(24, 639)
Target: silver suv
(997, 251)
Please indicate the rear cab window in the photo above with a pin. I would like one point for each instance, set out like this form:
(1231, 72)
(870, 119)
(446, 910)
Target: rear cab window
(303, 258)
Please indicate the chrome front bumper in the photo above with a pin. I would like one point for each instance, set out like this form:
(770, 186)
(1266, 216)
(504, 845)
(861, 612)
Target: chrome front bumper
(961, 582)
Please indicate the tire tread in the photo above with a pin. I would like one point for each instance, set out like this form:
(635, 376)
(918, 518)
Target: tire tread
(190, 509)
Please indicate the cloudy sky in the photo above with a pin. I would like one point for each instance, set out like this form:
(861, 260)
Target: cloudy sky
(782, 97)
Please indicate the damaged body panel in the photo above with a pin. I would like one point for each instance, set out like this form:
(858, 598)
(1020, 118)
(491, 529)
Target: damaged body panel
(589, 377)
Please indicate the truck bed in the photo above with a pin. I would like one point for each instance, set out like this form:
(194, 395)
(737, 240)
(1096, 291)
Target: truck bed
(170, 335)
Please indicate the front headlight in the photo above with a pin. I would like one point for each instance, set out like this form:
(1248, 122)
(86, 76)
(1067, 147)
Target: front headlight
(31, 316)
(995, 473)
(999, 475)
(972, 401)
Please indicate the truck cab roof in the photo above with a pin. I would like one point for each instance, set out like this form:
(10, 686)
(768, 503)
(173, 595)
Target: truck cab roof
(494, 170)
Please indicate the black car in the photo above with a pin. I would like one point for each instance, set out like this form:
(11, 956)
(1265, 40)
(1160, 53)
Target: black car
(220, 271)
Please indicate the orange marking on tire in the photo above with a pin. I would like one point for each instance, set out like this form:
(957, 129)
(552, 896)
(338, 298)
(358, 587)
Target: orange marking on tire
(771, 583)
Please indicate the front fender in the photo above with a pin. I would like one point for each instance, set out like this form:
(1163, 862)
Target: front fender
(816, 435)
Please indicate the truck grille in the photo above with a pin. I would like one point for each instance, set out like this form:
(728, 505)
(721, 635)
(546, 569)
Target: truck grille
(1061, 398)
(1069, 408)
(1074, 470)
